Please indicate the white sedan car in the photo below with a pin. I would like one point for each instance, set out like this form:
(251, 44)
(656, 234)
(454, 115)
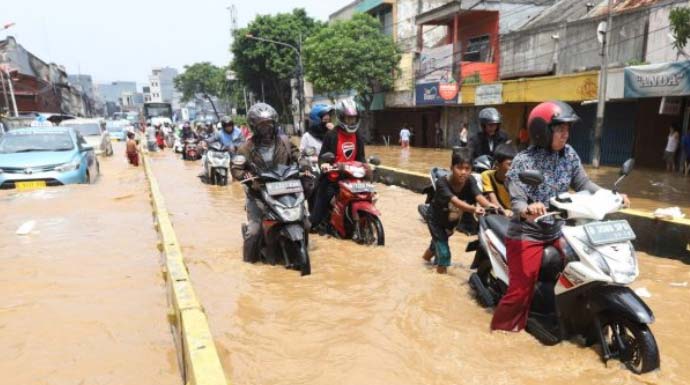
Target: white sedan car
(90, 129)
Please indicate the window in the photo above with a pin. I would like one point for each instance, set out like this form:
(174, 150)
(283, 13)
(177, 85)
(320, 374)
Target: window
(478, 49)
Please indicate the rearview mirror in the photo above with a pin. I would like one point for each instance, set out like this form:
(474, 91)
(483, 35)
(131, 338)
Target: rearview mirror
(531, 177)
(627, 167)
(310, 151)
(374, 160)
(239, 162)
(328, 157)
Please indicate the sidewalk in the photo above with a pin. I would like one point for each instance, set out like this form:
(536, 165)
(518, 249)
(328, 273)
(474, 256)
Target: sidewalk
(648, 189)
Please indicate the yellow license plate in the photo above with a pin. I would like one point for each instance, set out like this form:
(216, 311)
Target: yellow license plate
(33, 185)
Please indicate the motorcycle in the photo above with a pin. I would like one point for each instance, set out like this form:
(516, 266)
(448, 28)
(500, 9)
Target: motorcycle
(170, 138)
(310, 161)
(467, 224)
(191, 150)
(479, 165)
(583, 290)
(353, 212)
(216, 163)
(281, 199)
(177, 146)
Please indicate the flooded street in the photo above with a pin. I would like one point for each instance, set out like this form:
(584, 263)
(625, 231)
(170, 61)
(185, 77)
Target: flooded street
(648, 189)
(378, 315)
(83, 298)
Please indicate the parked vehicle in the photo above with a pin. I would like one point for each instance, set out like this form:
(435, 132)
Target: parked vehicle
(309, 160)
(285, 239)
(116, 129)
(91, 130)
(216, 163)
(582, 291)
(34, 158)
(354, 214)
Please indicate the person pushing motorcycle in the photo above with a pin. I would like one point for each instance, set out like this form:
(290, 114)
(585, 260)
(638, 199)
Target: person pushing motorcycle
(549, 126)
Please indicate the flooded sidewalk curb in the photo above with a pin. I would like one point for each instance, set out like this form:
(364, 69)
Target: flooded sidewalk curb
(196, 350)
(661, 237)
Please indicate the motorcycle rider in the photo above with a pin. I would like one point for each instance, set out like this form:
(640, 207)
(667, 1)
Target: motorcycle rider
(549, 125)
(228, 136)
(319, 124)
(347, 146)
(187, 133)
(266, 149)
(455, 196)
(491, 136)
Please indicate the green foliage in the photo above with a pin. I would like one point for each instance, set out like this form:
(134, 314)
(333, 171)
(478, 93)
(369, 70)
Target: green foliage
(679, 19)
(274, 65)
(352, 55)
(203, 79)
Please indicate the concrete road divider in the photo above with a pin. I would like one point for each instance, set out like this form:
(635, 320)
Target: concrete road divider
(196, 352)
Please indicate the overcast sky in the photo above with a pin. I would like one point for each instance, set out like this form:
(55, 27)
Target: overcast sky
(123, 39)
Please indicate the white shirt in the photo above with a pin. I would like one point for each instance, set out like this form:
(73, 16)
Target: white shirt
(405, 135)
(309, 141)
(672, 144)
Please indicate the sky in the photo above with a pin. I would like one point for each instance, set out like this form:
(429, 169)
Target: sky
(124, 39)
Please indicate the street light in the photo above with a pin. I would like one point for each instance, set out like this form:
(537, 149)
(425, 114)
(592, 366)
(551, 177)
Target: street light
(300, 79)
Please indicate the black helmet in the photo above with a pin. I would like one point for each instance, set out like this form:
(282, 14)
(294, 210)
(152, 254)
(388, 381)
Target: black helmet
(258, 113)
(347, 107)
(542, 119)
(482, 163)
(489, 116)
(225, 121)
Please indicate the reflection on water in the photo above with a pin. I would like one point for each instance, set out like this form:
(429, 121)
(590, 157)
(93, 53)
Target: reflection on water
(83, 301)
(648, 189)
(377, 315)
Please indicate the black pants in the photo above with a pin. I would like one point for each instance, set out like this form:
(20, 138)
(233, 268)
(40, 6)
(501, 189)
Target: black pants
(325, 192)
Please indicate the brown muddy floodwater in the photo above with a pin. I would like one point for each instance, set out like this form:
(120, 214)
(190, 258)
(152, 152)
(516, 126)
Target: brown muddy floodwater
(83, 300)
(378, 315)
(648, 189)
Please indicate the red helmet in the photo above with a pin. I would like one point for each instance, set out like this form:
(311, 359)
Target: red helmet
(544, 116)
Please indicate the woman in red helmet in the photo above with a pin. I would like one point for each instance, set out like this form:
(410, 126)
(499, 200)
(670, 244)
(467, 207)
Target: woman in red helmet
(549, 126)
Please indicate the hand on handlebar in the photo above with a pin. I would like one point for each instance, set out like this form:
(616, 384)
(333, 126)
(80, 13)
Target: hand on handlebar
(626, 201)
(534, 211)
(479, 211)
(325, 167)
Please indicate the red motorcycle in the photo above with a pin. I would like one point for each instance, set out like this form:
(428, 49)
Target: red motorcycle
(353, 211)
(191, 150)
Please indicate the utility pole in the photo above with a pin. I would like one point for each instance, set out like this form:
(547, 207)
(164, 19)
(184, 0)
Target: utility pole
(603, 79)
(4, 92)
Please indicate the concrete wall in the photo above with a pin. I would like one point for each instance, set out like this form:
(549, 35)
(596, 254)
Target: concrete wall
(659, 43)
(530, 52)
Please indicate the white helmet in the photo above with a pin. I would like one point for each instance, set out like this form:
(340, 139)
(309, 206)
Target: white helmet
(346, 108)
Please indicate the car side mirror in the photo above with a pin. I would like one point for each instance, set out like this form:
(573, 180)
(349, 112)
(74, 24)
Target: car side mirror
(627, 167)
(328, 157)
(375, 160)
(531, 177)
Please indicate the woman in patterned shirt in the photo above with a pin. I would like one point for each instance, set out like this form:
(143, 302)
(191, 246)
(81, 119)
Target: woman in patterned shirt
(549, 126)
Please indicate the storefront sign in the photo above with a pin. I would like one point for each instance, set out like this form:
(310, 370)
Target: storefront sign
(488, 94)
(430, 94)
(667, 79)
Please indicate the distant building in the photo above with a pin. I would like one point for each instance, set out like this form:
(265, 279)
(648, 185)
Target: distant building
(161, 83)
(113, 92)
(83, 82)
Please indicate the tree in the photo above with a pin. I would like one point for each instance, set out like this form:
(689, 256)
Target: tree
(352, 55)
(679, 19)
(267, 68)
(203, 79)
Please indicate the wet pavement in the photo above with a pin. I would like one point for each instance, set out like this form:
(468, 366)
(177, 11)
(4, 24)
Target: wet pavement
(377, 315)
(648, 189)
(83, 297)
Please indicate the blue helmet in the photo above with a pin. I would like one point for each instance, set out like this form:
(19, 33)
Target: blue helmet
(317, 112)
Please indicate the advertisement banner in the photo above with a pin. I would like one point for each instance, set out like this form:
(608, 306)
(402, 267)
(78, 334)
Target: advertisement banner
(489, 94)
(430, 94)
(666, 79)
(435, 82)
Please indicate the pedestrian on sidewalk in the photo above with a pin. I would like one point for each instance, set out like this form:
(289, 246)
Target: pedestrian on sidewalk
(686, 150)
(463, 136)
(405, 137)
(671, 147)
(131, 152)
(439, 136)
(456, 195)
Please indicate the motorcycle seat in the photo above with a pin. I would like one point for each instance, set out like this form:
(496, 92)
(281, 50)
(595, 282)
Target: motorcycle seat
(498, 224)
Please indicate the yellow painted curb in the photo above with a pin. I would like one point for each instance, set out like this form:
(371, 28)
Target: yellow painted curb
(196, 351)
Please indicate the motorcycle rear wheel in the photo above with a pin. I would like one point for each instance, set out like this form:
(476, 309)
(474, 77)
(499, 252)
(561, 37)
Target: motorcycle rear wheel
(633, 343)
(371, 229)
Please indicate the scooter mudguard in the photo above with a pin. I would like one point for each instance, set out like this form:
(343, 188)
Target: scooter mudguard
(621, 301)
(365, 206)
(293, 232)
